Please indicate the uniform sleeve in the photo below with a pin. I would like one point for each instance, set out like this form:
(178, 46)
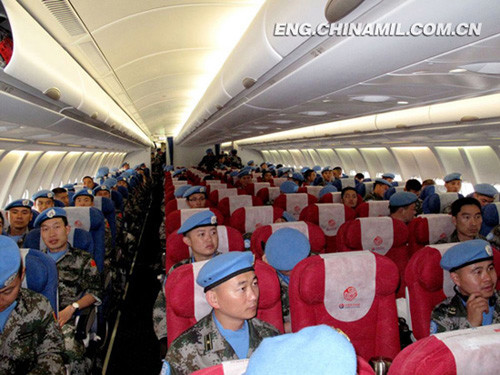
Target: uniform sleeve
(50, 345)
(160, 316)
(175, 360)
(92, 280)
(442, 320)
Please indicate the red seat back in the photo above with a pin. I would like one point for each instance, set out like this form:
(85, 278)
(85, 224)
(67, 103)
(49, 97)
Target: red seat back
(268, 195)
(175, 204)
(247, 219)
(373, 209)
(294, 203)
(228, 205)
(429, 229)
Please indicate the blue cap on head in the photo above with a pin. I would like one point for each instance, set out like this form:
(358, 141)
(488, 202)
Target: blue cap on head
(285, 248)
(382, 181)
(114, 169)
(224, 267)
(327, 169)
(308, 351)
(11, 261)
(200, 219)
(250, 162)
(402, 198)
(486, 189)
(178, 172)
(49, 213)
(209, 150)
(122, 177)
(327, 190)
(179, 192)
(452, 177)
(304, 170)
(288, 217)
(465, 253)
(389, 175)
(194, 190)
(43, 194)
(69, 187)
(101, 172)
(168, 168)
(297, 176)
(19, 203)
(289, 187)
(244, 172)
(110, 182)
(101, 188)
(234, 173)
(317, 168)
(83, 193)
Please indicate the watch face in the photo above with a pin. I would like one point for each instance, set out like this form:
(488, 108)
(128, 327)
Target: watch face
(76, 305)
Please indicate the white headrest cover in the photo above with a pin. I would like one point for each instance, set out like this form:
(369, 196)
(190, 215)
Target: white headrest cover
(369, 187)
(239, 201)
(445, 200)
(78, 217)
(260, 185)
(181, 203)
(224, 193)
(447, 282)
(295, 203)
(348, 182)
(215, 187)
(301, 226)
(257, 216)
(236, 367)
(475, 350)
(98, 203)
(331, 216)
(440, 226)
(179, 183)
(212, 182)
(314, 190)
(274, 192)
(349, 284)
(336, 197)
(223, 239)
(278, 181)
(399, 188)
(201, 306)
(378, 208)
(377, 234)
(188, 212)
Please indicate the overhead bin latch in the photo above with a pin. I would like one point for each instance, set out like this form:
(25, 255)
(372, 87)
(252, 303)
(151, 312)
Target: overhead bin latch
(337, 9)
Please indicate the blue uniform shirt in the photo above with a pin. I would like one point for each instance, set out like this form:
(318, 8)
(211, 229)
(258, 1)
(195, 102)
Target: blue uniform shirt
(58, 255)
(239, 340)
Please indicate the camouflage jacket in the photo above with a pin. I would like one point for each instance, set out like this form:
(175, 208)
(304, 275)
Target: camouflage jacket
(19, 242)
(285, 303)
(78, 275)
(454, 238)
(31, 342)
(419, 207)
(451, 315)
(373, 197)
(203, 346)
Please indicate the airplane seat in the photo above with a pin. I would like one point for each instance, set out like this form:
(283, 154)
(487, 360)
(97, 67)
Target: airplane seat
(58, 203)
(373, 209)
(312, 231)
(176, 250)
(472, 351)
(329, 216)
(123, 191)
(77, 237)
(490, 218)
(365, 187)
(106, 206)
(334, 197)
(428, 285)
(228, 205)
(175, 219)
(427, 191)
(117, 199)
(429, 229)
(247, 219)
(439, 203)
(32, 221)
(41, 275)
(175, 204)
(313, 190)
(217, 195)
(381, 235)
(279, 180)
(389, 192)
(215, 186)
(344, 182)
(268, 195)
(294, 203)
(254, 188)
(352, 291)
(186, 303)
(91, 220)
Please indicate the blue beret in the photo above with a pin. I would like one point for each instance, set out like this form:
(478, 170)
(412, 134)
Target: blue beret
(101, 188)
(308, 351)
(137, 166)
(388, 175)
(234, 173)
(69, 187)
(285, 248)
(289, 187)
(83, 193)
(382, 181)
(114, 169)
(179, 171)
(224, 267)
(326, 190)
(200, 219)
(288, 217)
(49, 213)
(122, 177)
(194, 190)
(19, 203)
(209, 150)
(101, 172)
(465, 253)
(388, 193)
(316, 168)
(179, 192)
(168, 168)
(304, 170)
(327, 169)
(452, 177)
(250, 162)
(11, 261)
(402, 198)
(43, 194)
(110, 182)
(244, 172)
(297, 176)
(486, 189)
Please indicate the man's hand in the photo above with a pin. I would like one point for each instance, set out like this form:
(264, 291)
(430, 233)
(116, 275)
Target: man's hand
(65, 315)
(476, 305)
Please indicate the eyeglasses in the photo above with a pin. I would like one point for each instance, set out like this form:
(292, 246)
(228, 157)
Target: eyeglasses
(197, 199)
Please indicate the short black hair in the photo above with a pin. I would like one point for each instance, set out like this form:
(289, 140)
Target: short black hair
(308, 173)
(59, 190)
(266, 171)
(413, 184)
(344, 190)
(234, 152)
(87, 177)
(337, 169)
(359, 175)
(459, 203)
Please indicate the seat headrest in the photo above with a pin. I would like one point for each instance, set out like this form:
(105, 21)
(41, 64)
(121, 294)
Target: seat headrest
(490, 214)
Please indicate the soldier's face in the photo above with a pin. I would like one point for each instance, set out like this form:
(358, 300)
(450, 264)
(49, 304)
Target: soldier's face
(63, 197)
(103, 193)
(453, 186)
(380, 189)
(43, 203)
(197, 200)
(483, 199)
(55, 234)
(84, 201)
(480, 278)
(468, 221)
(327, 175)
(408, 213)
(10, 292)
(20, 217)
(350, 198)
(245, 180)
(122, 183)
(204, 241)
(88, 182)
(237, 298)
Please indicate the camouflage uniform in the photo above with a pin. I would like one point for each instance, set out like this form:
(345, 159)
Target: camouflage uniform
(451, 315)
(419, 207)
(285, 304)
(454, 238)
(373, 197)
(31, 342)
(78, 276)
(203, 346)
(20, 241)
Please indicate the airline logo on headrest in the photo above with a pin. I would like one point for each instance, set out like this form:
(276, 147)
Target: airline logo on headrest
(350, 293)
(378, 241)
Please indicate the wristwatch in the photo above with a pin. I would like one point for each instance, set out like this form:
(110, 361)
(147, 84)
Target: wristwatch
(75, 305)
